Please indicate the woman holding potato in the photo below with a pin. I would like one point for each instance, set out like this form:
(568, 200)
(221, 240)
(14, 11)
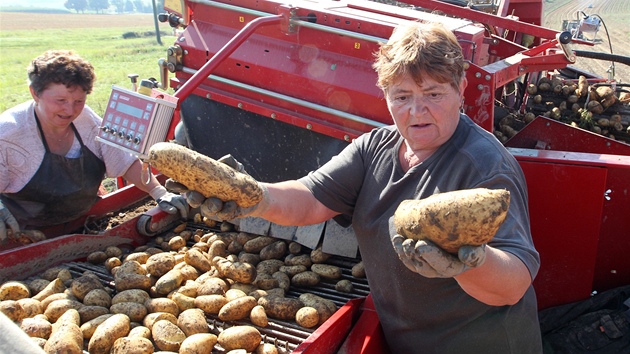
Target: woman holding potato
(480, 300)
(51, 166)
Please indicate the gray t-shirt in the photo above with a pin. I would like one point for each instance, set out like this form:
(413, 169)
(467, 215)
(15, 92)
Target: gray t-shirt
(366, 183)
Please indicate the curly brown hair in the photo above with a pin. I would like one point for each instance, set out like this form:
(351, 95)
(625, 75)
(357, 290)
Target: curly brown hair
(60, 67)
(420, 49)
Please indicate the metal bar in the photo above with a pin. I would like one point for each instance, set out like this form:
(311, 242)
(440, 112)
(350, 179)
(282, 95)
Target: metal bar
(290, 99)
(223, 54)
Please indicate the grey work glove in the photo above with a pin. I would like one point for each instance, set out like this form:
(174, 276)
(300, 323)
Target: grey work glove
(426, 258)
(215, 208)
(169, 202)
(7, 220)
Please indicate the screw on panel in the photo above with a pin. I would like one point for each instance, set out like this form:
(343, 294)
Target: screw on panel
(488, 77)
(346, 137)
(208, 96)
(181, 39)
(477, 75)
(273, 116)
(309, 126)
(240, 105)
(480, 87)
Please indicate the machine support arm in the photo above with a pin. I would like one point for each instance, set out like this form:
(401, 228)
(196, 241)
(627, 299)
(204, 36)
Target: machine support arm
(223, 54)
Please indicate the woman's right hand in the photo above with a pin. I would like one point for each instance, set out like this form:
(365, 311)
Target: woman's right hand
(7, 219)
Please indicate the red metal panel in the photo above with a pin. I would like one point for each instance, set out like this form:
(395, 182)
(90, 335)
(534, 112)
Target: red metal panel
(565, 220)
(329, 336)
(367, 335)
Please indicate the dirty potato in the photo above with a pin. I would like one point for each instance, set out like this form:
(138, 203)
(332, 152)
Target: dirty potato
(453, 219)
(198, 343)
(106, 333)
(240, 337)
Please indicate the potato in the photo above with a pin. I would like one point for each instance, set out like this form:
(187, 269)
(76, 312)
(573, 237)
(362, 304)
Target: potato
(284, 282)
(251, 258)
(150, 319)
(89, 327)
(358, 270)
(14, 290)
(36, 327)
(58, 307)
(204, 174)
(66, 339)
(302, 259)
(237, 309)
(162, 304)
(31, 307)
(131, 275)
(453, 219)
(97, 257)
(217, 248)
(266, 281)
(37, 285)
(132, 295)
(269, 266)
(192, 321)
(234, 293)
(114, 327)
(307, 317)
(169, 281)
(113, 251)
(213, 286)
(98, 297)
(318, 256)
(140, 257)
(167, 336)
(258, 316)
(132, 345)
(326, 271)
(183, 302)
(325, 308)
(91, 312)
(51, 273)
(344, 286)
(266, 348)
(189, 288)
(237, 271)
(140, 331)
(160, 263)
(197, 259)
(210, 304)
(198, 343)
(54, 287)
(240, 337)
(112, 263)
(133, 310)
(279, 307)
(307, 278)
(275, 250)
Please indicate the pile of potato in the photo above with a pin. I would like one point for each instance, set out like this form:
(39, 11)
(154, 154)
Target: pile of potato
(163, 295)
(594, 107)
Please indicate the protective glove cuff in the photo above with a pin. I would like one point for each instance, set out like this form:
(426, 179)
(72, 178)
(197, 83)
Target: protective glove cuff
(158, 192)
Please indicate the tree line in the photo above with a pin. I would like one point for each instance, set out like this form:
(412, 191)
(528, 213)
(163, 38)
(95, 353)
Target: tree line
(119, 6)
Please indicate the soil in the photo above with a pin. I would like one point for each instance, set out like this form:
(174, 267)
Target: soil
(614, 15)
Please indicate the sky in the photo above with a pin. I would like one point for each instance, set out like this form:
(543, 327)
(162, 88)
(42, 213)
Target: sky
(33, 3)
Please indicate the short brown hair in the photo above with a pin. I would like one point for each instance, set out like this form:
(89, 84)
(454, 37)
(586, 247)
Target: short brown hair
(60, 67)
(420, 49)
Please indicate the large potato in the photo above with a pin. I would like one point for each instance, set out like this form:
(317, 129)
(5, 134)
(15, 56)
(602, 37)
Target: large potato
(36, 327)
(13, 290)
(97, 297)
(82, 285)
(240, 337)
(150, 319)
(454, 219)
(199, 343)
(326, 271)
(133, 310)
(169, 281)
(210, 304)
(106, 333)
(325, 308)
(258, 316)
(204, 174)
(131, 275)
(58, 307)
(237, 309)
(65, 339)
(162, 304)
(279, 307)
(192, 321)
(90, 326)
(55, 286)
(160, 263)
(167, 336)
(132, 295)
(132, 345)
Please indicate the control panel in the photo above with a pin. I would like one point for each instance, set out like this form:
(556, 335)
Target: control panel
(134, 121)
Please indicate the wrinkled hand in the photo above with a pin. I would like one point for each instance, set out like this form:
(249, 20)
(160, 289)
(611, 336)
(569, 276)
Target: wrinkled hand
(215, 208)
(7, 220)
(426, 258)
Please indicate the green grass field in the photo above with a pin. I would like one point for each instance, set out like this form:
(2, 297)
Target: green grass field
(112, 56)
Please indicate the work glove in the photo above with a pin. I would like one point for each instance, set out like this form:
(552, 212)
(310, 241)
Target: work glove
(215, 208)
(170, 203)
(426, 258)
(7, 220)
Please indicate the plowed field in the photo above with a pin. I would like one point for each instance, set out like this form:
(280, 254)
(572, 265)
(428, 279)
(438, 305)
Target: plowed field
(615, 16)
